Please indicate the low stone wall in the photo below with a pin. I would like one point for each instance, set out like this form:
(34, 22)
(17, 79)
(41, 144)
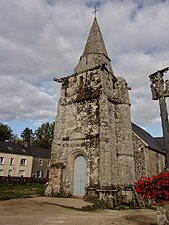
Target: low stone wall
(163, 214)
(23, 180)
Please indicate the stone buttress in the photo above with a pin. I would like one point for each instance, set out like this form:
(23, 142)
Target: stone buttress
(93, 121)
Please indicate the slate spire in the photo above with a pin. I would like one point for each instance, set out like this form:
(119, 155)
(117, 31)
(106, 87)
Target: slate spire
(95, 43)
(95, 52)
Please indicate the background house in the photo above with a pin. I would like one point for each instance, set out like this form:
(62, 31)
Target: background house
(18, 160)
(41, 162)
(15, 160)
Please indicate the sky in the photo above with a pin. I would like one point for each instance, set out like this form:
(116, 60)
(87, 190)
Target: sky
(42, 39)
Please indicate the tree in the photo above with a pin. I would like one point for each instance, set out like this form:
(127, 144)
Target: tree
(6, 133)
(27, 136)
(44, 135)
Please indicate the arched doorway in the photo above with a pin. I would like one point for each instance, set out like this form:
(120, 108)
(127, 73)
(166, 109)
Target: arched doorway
(80, 173)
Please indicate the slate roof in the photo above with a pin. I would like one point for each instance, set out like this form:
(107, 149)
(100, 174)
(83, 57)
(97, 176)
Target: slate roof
(156, 144)
(160, 140)
(95, 43)
(95, 52)
(148, 139)
(12, 148)
(40, 152)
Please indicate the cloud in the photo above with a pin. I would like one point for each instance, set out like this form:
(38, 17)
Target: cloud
(24, 101)
(43, 39)
(138, 46)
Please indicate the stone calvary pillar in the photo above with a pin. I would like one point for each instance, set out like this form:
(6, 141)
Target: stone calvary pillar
(92, 150)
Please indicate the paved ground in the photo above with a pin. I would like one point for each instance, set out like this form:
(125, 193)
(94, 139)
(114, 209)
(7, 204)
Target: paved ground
(44, 211)
(75, 203)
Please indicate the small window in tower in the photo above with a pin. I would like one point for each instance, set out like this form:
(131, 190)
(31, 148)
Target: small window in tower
(81, 80)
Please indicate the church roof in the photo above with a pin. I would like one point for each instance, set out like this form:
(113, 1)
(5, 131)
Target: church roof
(95, 42)
(160, 140)
(148, 139)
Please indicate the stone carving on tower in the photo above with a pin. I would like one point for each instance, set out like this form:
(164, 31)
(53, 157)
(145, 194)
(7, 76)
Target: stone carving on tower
(92, 150)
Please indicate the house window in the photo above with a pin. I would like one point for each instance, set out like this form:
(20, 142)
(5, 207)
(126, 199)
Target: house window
(1, 160)
(38, 173)
(12, 161)
(21, 173)
(47, 174)
(23, 162)
(9, 172)
(1, 172)
(48, 163)
(40, 162)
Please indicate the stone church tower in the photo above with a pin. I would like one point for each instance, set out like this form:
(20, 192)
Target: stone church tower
(92, 150)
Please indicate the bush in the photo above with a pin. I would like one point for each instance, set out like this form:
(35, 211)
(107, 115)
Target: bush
(155, 189)
(97, 204)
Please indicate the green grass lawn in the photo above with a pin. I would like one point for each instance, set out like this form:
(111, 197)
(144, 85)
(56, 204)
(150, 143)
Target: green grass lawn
(10, 191)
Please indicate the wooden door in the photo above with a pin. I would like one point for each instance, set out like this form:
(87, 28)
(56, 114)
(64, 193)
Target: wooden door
(80, 173)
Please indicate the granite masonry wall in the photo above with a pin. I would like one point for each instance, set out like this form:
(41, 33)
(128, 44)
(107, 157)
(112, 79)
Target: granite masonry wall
(93, 120)
(148, 162)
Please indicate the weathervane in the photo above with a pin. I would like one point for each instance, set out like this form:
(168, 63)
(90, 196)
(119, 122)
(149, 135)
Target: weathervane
(95, 10)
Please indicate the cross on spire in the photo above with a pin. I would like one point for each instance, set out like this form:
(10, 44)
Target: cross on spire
(95, 10)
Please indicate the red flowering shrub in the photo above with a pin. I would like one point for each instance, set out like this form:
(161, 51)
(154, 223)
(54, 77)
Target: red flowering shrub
(155, 188)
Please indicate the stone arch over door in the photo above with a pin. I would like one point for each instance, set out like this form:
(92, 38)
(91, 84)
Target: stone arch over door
(79, 176)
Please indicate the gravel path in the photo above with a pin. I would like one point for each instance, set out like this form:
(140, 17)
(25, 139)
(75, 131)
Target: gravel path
(38, 211)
